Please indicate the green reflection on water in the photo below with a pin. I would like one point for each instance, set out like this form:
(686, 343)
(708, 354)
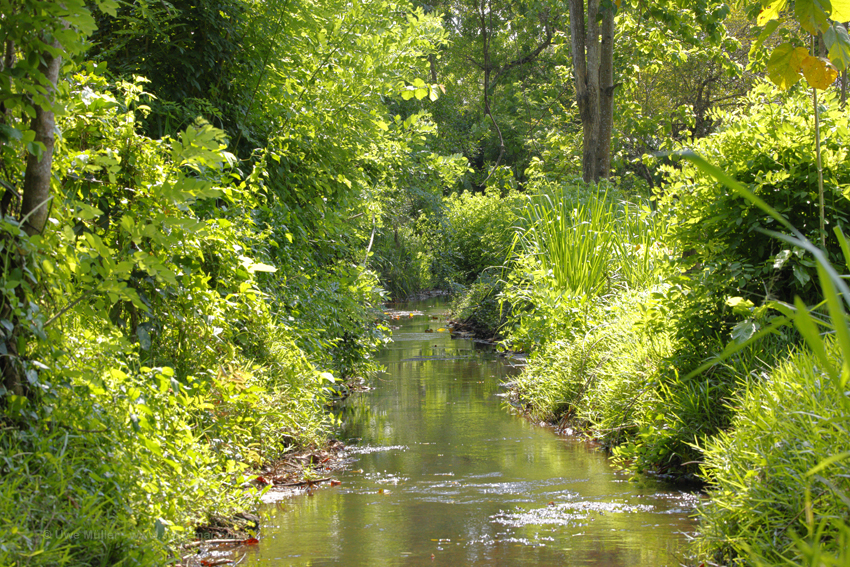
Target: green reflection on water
(443, 470)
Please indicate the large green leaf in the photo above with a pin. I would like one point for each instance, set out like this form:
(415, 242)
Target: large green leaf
(813, 15)
(785, 63)
(838, 42)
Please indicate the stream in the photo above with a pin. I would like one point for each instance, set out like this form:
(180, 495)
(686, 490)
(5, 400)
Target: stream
(444, 475)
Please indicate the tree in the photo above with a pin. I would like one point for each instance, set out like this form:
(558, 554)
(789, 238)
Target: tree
(494, 46)
(592, 44)
(592, 29)
(36, 36)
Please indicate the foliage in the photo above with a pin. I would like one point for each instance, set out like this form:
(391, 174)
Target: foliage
(477, 308)
(184, 315)
(473, 234)
(575, 243)
(762, 146)
(622, 379)
(403, 262)
(191, 52)
(770, 498)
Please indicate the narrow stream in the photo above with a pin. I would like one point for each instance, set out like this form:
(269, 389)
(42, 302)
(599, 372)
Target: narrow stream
(445, 476)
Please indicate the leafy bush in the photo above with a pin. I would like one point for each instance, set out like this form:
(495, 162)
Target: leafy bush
(163, 372)
(767, 146)
(773, 495)
(477, 307)
(473, 234)
(575, 245)
(403, 261)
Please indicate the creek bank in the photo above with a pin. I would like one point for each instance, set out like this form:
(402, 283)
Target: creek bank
(226, 540)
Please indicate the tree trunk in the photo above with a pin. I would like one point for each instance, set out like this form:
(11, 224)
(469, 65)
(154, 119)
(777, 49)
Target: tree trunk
(35, 199)
(593, 70)
(36, 194)
(606, 95)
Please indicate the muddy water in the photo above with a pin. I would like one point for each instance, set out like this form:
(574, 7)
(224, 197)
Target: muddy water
(445, 476)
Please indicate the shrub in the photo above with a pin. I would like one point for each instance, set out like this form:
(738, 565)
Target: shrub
(771, 496)
(767, 146)
(575, 245)
(473, 234)
(477, 307)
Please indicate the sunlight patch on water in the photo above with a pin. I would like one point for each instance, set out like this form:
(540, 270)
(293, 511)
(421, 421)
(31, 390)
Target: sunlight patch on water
(565, 514)
(368, 449)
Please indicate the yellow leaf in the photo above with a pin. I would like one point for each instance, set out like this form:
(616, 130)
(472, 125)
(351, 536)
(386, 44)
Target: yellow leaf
(771, 11)
(819, 72)
(840, 11)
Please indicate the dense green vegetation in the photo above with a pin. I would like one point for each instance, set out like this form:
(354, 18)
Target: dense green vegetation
(205, 204)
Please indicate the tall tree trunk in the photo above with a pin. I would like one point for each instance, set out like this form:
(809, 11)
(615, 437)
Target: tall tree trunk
(593, 70)
(606, 95)
(36, 194)
(35, 199)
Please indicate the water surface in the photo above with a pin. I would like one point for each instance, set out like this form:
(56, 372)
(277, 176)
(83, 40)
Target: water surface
(444, 475)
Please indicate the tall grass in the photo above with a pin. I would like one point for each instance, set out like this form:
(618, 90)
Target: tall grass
(587, 240)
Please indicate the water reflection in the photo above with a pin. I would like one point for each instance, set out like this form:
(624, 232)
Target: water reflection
(446, 476)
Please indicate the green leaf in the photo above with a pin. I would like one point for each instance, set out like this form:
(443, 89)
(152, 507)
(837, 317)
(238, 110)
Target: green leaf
(801, 275)
(765, 33)
(845, 248)
(838, 42)
(784, 65)
(828, 461)
(406, 94)
(420, 93)
(744, 330)
(807, 327)
(813, 15)
(110, 7)
(780, 259)
(837, 313)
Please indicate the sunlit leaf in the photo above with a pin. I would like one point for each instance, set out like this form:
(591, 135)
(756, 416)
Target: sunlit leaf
(744, 330)
(784, 65)
(765, 33)
(771, 11)
(819, 72)
(780, 259)
(828, 461)
(840, 10)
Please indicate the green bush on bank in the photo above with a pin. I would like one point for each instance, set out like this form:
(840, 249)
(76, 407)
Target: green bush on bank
(772, 502)
(575, 245)
(767, 144)
(174, 363)
(473, 234)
